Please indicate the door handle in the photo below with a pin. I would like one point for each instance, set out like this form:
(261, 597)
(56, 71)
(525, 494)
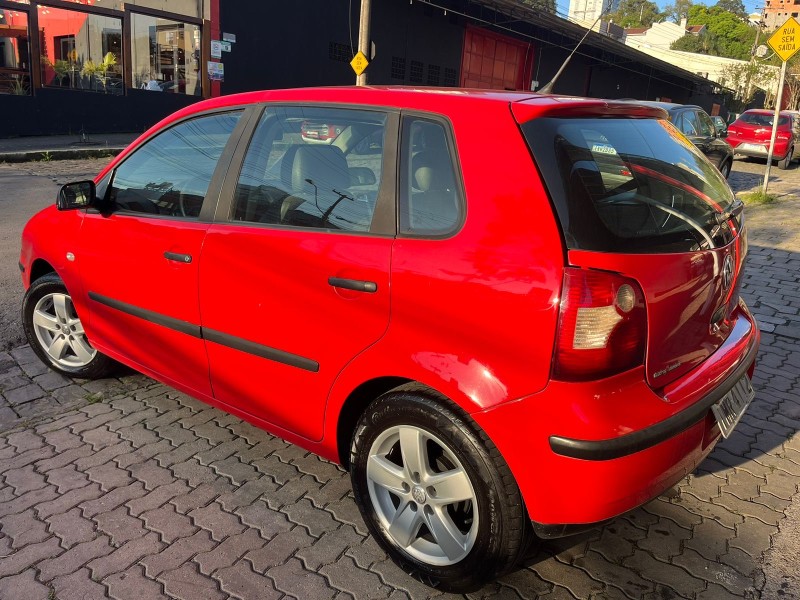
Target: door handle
(356, 285)
(178, 257)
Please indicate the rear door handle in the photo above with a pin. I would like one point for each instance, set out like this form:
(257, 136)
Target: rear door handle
(357, 285)
(178, 257)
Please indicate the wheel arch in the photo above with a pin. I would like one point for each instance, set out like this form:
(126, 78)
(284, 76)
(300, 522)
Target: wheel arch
(39, 268)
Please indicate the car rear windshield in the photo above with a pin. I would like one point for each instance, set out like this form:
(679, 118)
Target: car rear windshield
(630, 185)
(762, 119)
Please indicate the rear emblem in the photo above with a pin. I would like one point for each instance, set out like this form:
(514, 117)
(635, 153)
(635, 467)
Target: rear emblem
(727, 273)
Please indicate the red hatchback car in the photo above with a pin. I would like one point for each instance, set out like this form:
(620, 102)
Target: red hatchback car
(504, 338)
(751, 132)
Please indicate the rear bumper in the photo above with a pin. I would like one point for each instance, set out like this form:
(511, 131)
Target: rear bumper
(583, 453)
(758, 150)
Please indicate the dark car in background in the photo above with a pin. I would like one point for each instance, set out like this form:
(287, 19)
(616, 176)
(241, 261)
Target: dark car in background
(697, 125)
(750, 134)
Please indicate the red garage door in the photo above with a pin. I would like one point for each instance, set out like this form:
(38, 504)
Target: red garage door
(495, 61)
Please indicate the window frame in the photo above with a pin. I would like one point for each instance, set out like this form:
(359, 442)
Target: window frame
(384, 222)
(403, 184)
(211, 199)
(33, 41)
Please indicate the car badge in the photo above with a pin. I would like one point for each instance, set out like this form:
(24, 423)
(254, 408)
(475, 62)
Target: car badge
(727, 273)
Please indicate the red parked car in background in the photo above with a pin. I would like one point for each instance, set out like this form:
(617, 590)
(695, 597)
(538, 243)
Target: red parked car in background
(504, 338)
(751, 132)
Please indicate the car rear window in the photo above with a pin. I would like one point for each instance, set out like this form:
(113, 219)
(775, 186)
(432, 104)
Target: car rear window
(764, 120)
(629, 185)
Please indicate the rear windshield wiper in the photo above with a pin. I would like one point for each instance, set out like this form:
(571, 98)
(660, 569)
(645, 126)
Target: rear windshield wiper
(734, 210)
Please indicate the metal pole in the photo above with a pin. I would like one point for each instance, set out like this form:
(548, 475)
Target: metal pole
(750, 67)
(363, 37)
(774, 126)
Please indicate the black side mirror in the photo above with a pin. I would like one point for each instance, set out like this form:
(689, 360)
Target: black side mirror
(79, 194)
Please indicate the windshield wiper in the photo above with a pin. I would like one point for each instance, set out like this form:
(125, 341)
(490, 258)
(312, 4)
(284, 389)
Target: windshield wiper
(734, 210)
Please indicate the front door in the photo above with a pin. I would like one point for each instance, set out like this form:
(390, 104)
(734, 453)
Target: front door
(138, 255)
(294, 283)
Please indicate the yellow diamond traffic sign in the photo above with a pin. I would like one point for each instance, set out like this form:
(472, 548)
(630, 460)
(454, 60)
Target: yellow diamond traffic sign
(786, 38)
(359, 63)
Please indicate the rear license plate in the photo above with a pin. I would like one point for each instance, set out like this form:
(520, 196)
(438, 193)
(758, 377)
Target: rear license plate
(752, 147)
(730, 408)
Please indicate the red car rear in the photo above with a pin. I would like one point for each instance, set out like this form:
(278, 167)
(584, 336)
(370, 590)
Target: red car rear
(751, 132)
(532, 331)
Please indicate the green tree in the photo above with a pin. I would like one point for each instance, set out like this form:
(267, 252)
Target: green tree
(703, 43)
(678, 10)
(545, 5)
(729, 35)
(635, 13)
(732, 6)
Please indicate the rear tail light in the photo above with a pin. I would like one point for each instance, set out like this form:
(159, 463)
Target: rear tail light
(602, 326)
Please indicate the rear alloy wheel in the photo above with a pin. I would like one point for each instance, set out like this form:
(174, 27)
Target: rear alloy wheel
(725, 168)
(435, 492)
(786, 160)
(55, 331)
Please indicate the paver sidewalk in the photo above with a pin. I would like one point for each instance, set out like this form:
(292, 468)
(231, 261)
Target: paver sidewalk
(125, 488)
(50, 147)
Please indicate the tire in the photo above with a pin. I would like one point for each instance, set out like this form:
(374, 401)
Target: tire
(786, 161)
(55, 332)
(487, 521)
(725, 168)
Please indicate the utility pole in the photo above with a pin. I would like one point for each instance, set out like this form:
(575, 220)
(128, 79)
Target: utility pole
(363, 37)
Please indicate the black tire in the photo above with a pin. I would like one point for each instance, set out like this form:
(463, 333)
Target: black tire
(41, 290)
(725, 168)
(786, 161)
(503, 528)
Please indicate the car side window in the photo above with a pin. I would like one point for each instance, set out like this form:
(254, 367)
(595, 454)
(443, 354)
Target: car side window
(170, 174)
(688, 123)
(312, 167)
(430, 197)
(705, 126)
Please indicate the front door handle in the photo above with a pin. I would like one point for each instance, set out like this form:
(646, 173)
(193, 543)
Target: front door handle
(357, 285)
(178, 257)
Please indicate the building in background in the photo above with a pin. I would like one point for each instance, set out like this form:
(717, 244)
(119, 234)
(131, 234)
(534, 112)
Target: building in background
(587, 11)
(72, 66)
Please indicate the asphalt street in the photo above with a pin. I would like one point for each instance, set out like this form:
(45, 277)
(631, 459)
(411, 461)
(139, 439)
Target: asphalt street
(125, 488)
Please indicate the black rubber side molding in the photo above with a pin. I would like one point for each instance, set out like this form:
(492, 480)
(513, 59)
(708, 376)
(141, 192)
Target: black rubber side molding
(224, 339)
(370, 287)
(655, 434)
(177, 257)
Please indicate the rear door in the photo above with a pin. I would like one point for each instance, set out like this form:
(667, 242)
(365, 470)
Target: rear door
(294, 275)
(139, 254)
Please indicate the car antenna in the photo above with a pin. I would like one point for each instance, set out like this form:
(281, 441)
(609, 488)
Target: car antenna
(547, 88)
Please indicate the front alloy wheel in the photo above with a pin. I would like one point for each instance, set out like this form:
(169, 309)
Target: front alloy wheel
(60, 333)
(55, 332)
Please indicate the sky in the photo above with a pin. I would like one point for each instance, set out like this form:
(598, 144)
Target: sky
(750, 6)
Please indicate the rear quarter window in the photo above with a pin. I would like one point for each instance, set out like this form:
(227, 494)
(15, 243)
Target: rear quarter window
(629, 185)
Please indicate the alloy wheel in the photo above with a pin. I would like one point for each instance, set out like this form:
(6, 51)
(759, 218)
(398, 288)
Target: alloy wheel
(422, 495)
(60, 333)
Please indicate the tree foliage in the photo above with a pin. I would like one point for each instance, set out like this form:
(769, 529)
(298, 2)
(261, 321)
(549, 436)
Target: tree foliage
(545, 5)
(733, 6)
(726, 34)
(636, 13)
(678, 10)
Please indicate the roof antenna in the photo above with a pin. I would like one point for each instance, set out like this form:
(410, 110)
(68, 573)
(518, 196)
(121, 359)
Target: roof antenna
(547, 88)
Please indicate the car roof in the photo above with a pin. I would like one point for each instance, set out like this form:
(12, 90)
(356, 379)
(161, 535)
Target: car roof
(667, 106)
(435, 99)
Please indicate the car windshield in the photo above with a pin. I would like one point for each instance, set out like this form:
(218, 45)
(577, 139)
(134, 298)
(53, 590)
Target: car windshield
(762, 119)
(630, 185)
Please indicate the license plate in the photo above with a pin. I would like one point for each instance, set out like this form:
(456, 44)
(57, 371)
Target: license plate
(730, 408)
(752, 147)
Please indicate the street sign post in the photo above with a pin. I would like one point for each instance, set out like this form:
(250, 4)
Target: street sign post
(784, 42)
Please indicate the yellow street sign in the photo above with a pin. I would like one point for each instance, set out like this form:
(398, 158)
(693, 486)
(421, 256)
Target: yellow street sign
(786, 39)
(359, 63)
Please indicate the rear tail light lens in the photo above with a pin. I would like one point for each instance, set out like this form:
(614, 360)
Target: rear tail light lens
(602, 326)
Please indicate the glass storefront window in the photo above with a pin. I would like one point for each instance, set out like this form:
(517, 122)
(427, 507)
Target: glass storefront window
(14, 53)
(165, 55)
(80, 51)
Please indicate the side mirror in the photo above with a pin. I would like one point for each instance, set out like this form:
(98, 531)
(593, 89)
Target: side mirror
(79, 194)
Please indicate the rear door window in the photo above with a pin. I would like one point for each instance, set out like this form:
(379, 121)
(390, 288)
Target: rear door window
(629, 185)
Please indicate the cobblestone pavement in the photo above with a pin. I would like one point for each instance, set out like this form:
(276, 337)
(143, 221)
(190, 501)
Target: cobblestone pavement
(125, 488)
